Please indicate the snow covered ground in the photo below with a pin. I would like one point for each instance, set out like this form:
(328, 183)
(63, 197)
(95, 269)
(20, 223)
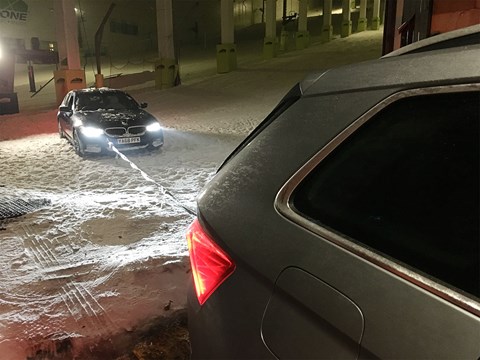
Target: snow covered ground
(110, 249)
(109, 252)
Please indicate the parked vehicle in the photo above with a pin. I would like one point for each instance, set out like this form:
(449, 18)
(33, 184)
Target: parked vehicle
(346, 226)
(92, 119)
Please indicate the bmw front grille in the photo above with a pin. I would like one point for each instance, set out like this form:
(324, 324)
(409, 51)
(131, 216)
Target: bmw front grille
(130, 131)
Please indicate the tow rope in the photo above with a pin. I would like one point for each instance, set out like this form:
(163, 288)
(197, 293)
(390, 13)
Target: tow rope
(148, 178)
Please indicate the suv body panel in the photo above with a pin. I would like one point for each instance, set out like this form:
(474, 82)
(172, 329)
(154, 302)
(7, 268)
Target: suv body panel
(263, 243)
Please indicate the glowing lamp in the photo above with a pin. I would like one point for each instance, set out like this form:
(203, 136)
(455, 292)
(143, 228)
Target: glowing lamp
(211, 266)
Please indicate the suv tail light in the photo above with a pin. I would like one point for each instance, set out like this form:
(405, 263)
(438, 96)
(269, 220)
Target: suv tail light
(211, 266)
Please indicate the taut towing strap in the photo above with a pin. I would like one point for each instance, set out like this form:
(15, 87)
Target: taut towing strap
(149, 179)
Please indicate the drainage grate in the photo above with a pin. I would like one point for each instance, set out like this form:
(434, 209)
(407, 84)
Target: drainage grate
(18, 207)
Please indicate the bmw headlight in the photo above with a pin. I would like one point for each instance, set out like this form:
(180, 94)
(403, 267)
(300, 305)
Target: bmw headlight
(90, 131)
(154, 127)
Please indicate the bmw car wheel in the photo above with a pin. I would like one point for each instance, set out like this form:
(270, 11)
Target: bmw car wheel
(60, 131)
(78, 145)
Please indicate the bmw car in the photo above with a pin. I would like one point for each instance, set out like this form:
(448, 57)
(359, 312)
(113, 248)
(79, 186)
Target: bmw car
(93, 120)
(346, 226)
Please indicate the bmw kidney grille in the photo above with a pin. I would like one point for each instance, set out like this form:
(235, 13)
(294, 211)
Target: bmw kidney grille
(121, 131)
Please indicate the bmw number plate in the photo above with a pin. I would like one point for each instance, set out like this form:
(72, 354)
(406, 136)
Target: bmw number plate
(129, 140)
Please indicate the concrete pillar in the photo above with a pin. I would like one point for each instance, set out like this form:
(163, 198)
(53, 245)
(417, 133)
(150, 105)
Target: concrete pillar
(346, 21)
(7, 70)
(270, 41)
(397, 39)
(362, 20)
(226, 51)
(327, 30)
(226, 13)
(376, 15)
(302, 37)
(8, 98)
(70, 74)
(166, 66)
(99, 81)
(67, 34)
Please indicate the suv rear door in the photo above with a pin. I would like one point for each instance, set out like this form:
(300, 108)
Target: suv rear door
(399, 198)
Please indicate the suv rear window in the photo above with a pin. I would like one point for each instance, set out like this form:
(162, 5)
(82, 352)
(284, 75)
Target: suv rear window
(406, 184)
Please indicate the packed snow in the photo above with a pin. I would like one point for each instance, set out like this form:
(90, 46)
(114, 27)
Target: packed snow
(108, 234)
(109, 251)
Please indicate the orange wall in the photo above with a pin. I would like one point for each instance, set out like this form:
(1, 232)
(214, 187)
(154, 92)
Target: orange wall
(447, 6)
(450, 15)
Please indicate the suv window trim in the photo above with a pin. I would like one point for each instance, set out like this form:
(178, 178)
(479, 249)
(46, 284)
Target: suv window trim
(283, 201)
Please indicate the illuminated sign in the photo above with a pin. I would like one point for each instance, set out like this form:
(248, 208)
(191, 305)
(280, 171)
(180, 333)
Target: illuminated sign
(14, 11)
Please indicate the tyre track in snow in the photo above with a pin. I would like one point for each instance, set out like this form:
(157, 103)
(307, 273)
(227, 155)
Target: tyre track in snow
(41, 252)
(82, 305)
(77, 299)
(95, 262)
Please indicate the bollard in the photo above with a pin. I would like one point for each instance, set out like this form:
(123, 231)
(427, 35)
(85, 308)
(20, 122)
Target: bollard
(166, 73)
(66, 80)
(302, 40)
(226, 58)
(269, 48)
(99, 81)
(327, 33)
(346, 28)
(362, 24)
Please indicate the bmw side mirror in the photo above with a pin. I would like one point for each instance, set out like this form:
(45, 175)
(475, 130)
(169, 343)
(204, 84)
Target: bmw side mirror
(64, 108)
(143, 105)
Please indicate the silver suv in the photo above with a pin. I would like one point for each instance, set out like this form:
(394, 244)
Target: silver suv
(346, 226)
